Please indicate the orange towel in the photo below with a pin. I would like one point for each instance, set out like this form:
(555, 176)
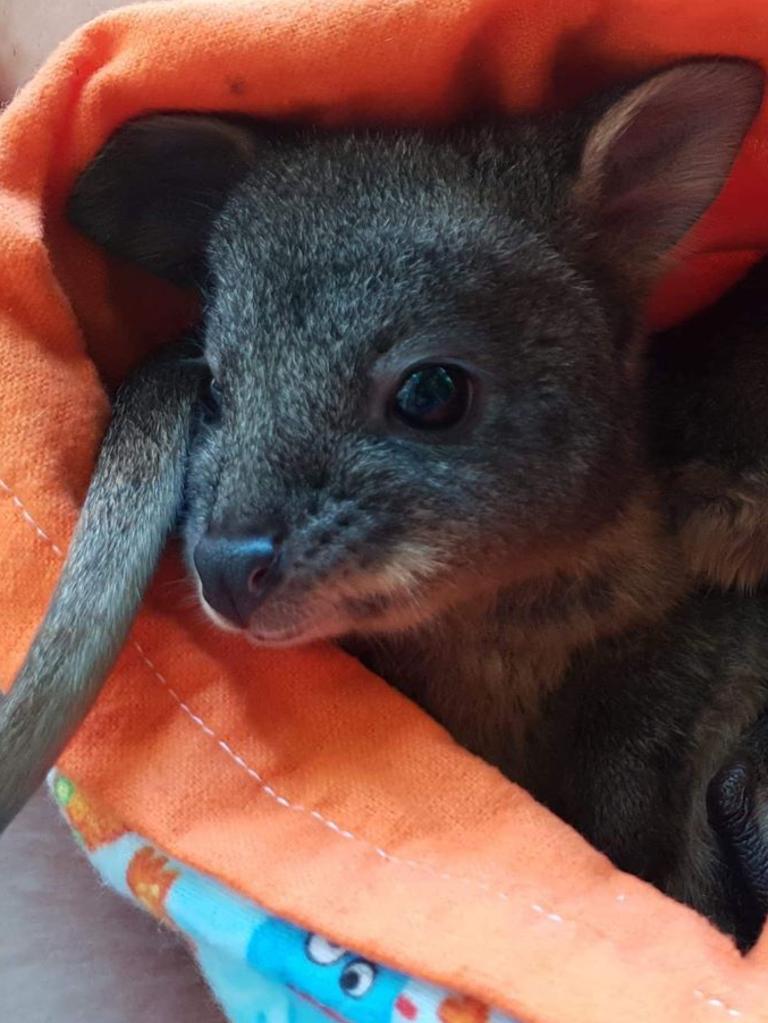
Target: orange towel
(296, 777)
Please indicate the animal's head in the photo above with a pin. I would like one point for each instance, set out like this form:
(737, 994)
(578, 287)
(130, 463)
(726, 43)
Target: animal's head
(421, 345)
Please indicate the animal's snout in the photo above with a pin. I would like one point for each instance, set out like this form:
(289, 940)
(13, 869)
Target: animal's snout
(237, 572)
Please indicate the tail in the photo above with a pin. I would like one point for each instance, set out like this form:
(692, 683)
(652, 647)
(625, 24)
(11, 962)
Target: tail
(131, 506)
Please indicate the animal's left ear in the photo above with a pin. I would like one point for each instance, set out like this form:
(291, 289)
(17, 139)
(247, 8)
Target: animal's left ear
(153, 192)
(659, 155)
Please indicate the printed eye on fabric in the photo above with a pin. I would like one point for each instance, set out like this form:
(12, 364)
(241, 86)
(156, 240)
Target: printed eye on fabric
(258, 966)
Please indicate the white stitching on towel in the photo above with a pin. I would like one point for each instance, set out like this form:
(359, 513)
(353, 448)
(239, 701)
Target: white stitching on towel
(16, 502)
(716, 1003)
(298, 808)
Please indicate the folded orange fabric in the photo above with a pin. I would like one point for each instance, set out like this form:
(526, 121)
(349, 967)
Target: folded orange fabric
(296, 777)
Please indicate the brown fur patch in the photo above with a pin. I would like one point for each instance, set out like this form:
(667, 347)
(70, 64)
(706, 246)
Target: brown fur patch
(723, 524)
(484, 668)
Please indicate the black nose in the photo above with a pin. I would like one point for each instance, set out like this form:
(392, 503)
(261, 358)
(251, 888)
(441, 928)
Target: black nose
(237, 572)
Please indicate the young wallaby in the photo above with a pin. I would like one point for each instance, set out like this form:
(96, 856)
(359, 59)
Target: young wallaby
(708, 393)
(425, 437)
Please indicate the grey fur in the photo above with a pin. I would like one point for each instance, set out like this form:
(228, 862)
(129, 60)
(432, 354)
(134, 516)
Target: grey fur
(131, 506)
(519, 575)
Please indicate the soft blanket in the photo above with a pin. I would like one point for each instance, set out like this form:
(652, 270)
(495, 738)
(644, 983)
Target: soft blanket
(279, 808)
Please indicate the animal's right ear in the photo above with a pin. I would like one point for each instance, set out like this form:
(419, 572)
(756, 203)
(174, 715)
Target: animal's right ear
(151, 194)
(658, 156)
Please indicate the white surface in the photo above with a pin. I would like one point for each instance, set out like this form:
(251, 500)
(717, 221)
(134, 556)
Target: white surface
(31, 29)
(72, 951)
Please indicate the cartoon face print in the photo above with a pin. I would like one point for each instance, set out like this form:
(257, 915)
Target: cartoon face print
(357, 975)
(420, 1002)
(341, 982)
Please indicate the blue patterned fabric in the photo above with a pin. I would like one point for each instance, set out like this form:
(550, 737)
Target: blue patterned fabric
(261, 969)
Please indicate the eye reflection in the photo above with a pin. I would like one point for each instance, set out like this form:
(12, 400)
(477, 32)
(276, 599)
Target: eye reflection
(432, 397)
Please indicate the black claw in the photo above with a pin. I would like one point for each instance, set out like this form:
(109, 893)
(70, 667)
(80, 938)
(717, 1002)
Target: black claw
(733, 806)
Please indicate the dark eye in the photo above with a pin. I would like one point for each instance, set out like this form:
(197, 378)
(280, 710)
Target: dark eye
(210, 400)
(432, 397)
(356, 978)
